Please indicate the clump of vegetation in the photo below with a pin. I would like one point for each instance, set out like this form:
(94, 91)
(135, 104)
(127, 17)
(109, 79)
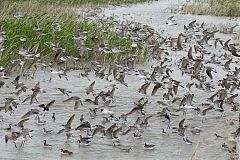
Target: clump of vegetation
(214, 7)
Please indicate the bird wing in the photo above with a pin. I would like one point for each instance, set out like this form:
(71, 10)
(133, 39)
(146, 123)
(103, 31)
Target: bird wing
(59, 132)
(27, 98)
(227, 64)
(179, 42)
(170, 18)
(22, 121)
(190, 56)
(190, 25)
(91, 85)
(226, 43)
(26, 115)
(155, 88)
(209, 73)
(69, 122)
(111, 128)
(181, 123)
(77, 104)
(50, 104)
(71, 98)
(147, 118)
(205, 110)
(33, 96)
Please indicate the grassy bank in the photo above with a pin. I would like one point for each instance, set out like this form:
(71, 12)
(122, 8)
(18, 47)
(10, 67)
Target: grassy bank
(33, 32)
(81, 2)
(213, 7)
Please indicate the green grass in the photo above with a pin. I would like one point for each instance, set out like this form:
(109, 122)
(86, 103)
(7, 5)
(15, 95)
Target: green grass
(214, 7)
(17, 28)
(81, 2)
(46, 15)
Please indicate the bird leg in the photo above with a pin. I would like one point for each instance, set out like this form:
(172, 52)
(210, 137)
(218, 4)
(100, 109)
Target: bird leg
(15, 144)
(22, 144)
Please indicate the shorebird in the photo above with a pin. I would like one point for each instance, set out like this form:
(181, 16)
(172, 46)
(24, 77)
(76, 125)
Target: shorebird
(204, 112)
(90, 88)
(66, 152)
(8, 103)
(192, 25)
(20, 124)
(45, 145)
(46, 107)
(121, 77)
(73, 98)
(168, 119)
(84, 140)
(53, 117)
(233, 50)
(18, 15)
(149, 146)
(31, 112)
(181, 128)
(56, 27)
(126, 149)
(64, 91)
(156, 87)
(77, 101)
(171, 21)
(163, 112)
(67, 127)
(47, 131)
(97, 129)
(227, 64)
(144, 87)
(95, 101)
(84, 125)
(109, 132)
(39, 122)
(179, 42)
(226, 46)
(23, 88)
(33, 97)
(209, 72)
(236, 133)
(14, 136)
(137, 136)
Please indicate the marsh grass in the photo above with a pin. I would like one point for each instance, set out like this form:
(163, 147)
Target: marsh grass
(213, 7)
(19, 28)
(44, 16)
(80, 2)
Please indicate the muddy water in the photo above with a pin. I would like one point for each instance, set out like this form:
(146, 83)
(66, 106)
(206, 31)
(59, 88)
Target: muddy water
(170, 146)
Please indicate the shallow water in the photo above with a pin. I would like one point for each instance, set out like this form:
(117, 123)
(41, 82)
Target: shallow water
(169, 146)
(155, 14)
